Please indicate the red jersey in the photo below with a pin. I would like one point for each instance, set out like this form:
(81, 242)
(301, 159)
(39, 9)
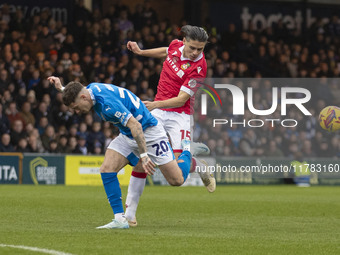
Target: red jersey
(178, 73)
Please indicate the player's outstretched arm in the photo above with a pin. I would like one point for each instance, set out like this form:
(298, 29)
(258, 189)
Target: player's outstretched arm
(169, 103)
(138, 135)
(152, 53)
(57, 83)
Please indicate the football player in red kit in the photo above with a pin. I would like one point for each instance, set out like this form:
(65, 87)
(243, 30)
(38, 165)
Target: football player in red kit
(184, 64)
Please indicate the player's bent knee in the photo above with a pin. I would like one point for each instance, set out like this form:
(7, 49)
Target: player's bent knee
(176, 182)
(105, 168)
(172, 173)
(113, 162)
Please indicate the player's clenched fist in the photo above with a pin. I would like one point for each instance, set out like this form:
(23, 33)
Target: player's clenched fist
(133, 46)
(56, 81)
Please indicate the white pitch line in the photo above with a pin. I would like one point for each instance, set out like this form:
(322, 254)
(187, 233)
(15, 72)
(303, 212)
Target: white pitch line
(47, 251)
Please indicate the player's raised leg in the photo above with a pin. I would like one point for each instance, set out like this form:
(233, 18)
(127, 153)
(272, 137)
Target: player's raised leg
(113, 162)
(207, 177)
(174, 172)
(179, 126)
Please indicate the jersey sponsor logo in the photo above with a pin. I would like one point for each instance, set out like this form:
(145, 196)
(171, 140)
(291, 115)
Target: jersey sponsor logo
(172, 64)
(185, 66)
(199, 69)
(175, 59)
(180, 73)
(192, 83)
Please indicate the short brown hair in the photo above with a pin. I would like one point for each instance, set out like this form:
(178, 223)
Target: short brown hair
(71, 92)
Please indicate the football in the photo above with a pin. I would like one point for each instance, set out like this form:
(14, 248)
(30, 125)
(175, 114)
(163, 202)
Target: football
(329, 118)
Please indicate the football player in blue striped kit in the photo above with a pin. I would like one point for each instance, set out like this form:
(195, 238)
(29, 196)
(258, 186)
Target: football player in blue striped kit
(141, 137)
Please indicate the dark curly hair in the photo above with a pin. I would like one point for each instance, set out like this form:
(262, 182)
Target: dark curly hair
(71, 92)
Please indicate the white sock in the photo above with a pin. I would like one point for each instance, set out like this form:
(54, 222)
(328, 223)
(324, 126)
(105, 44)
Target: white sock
(135, 190)
(120, 216)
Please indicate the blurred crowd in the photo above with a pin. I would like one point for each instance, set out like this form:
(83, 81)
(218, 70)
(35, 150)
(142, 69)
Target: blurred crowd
(92, 48)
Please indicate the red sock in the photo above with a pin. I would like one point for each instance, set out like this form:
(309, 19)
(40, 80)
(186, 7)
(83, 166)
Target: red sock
(139, 175)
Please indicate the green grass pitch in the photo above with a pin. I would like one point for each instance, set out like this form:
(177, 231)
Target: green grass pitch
(172, 220)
